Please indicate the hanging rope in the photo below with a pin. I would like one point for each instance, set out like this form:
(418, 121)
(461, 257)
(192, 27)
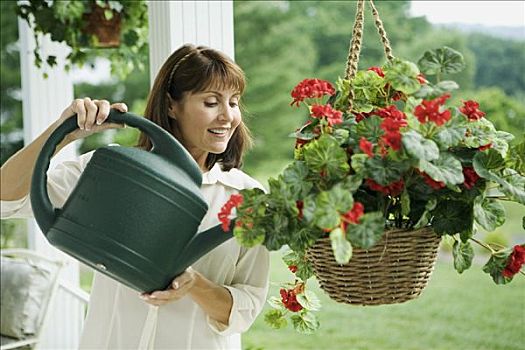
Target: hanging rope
(355, 45)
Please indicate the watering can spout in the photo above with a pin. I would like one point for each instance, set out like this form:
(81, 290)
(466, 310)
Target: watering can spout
(202, 243)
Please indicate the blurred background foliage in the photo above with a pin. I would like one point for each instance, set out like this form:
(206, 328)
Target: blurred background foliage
(278, 44)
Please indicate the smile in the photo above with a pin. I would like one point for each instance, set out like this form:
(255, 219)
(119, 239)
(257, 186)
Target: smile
(219, 131)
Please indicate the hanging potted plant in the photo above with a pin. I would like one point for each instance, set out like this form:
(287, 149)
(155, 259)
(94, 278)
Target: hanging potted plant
(384, 168)
(116, 30)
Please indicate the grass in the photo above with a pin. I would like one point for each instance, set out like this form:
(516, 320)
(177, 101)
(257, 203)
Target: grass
(465, 312)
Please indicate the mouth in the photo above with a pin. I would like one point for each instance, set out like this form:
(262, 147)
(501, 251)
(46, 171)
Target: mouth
(219, 131)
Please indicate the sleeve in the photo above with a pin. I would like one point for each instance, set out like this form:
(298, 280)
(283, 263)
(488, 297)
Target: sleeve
(60, 182)
(249, 290)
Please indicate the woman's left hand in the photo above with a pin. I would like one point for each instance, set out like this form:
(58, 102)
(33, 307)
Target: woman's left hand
(179, 287)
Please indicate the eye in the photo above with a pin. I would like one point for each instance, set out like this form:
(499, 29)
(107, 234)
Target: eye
(210, 103)
(234, 104)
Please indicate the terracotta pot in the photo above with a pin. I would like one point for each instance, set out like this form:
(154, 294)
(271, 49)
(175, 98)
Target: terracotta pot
(107, 31)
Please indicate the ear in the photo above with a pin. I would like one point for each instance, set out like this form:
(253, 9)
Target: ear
(172, 107)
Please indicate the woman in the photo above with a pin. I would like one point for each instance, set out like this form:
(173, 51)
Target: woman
(195, 97)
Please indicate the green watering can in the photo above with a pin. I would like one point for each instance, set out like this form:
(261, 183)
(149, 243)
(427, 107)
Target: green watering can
(133, 214)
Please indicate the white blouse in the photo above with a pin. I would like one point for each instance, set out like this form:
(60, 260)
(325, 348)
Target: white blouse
(118, 319)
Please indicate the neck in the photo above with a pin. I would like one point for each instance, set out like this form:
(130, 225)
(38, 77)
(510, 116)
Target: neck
(200, 157)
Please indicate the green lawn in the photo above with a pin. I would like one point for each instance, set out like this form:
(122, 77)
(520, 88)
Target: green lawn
(464, 312)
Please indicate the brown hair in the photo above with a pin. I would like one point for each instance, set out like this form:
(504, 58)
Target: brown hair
(192, 69)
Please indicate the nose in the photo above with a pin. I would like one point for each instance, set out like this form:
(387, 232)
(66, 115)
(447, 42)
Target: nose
(226, 114)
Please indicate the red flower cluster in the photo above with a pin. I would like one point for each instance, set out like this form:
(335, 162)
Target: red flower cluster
(437, 185)
(393, 189)
(429, 111)
(367, 147)
(353, 215)
(378, 70)
(515, 261)
(224, 215)
(289, 299)
(393, 120)
(421, 78)
(470, 109)
(332, 115)
(471, 177)
(311, 88)
(292, 268)
(487, 146)
(361, 116)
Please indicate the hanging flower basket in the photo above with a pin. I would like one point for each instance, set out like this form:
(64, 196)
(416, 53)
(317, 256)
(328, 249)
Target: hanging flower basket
(384, 168)
(104, 24)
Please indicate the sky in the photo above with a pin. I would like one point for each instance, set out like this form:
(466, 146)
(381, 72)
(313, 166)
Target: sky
(490, 13)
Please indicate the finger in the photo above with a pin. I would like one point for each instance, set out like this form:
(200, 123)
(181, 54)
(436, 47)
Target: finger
(103, 111)
(120, 106)
(80, 110)
(91, 114)
(167, 295)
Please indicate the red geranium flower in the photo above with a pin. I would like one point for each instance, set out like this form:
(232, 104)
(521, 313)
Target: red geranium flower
(311, 88)
(390, 112)
(225, 212)
(289, 300)
(366, 146)
(487, 146)
(470, 109)
(361, 116)
(332, 115)
(392, 189)
(437, 185)
(421, 78)
(300, 206)
(353, 215)
(292, 268)
(378, 70)
(471, 177)
(430, 111)
(515, 261)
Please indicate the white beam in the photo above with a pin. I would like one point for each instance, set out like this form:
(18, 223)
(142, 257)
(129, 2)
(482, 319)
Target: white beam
(175, 23)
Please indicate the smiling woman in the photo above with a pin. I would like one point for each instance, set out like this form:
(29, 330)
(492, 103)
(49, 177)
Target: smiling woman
(195, 97)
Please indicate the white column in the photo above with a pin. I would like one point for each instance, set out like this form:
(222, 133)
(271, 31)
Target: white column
(174, 23)
(43, 101)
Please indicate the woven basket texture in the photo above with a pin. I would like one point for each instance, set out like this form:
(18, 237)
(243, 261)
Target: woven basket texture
(393, 271)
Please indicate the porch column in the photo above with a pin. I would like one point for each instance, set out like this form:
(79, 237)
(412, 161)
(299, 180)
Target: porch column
(43, 101)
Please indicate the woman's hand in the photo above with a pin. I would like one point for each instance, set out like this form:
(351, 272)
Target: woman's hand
(91, 115)
(179, 287)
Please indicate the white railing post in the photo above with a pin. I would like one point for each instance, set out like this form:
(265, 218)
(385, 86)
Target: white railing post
(43, 101)
(174, 23)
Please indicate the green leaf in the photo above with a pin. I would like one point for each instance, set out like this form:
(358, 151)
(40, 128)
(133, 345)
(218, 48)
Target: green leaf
(295, 176)
(330, 204)
(304, 268)
(309, 301)
(446, 86)
(463, 255)
(276, 303)
(452, 216)
(402, 76)
(341, 247)
(369, 230)
(385, 171)
(420, 147)
(488, 163)
(513, 185)
(275, 319)
(446, 169)
(358, 162)
(489, 213)
(495, 266)
(370, 128)
(305, 323)
(452, 134)
(427, 214)
(367, 87)
(443, 60)
(248, 238)
(516, 158)
(325, 154)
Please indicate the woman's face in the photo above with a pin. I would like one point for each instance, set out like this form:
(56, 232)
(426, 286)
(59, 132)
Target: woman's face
(206, 121)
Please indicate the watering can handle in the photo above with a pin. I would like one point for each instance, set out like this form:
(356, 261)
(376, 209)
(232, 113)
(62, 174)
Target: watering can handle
(164, 144)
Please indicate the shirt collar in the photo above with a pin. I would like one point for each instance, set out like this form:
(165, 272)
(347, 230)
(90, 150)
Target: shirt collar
(213, 175)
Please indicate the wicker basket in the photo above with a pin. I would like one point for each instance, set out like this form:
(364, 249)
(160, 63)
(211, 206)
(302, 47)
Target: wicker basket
(393, 271)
